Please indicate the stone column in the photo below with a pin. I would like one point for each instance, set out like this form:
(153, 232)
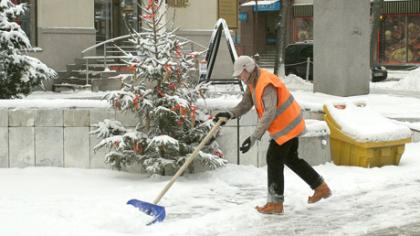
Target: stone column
(341, 47)
(4, 138)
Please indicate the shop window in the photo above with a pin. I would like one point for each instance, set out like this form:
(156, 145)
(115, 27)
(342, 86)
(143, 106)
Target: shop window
(28, 21)
(302, 29)
(400, 39)
(394, 40)
(413, 35)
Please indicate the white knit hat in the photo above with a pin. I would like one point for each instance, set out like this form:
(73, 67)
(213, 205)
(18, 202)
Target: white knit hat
(243, 62)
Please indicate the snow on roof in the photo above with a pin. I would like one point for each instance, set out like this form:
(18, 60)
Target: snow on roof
(363, 124)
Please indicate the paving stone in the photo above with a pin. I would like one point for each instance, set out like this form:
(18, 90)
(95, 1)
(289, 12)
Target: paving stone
(315, 150)
(4, 117)
(76, 147)
(97, 158)
(49, 146)
(4, 147)
(21, 146)
(227, 142)
(22, 118)
(98, 115)
(126, 118)
(49, 118)
(76, 118)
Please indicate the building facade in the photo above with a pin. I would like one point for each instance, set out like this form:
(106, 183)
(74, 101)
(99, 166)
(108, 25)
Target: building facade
(398, 42)
(60, 29)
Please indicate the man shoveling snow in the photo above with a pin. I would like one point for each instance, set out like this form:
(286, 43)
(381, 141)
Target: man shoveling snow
(279, 113)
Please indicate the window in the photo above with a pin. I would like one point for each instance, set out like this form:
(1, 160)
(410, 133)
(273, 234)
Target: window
(303, 29)
(28, 21)
(400, 39)
(413, 36)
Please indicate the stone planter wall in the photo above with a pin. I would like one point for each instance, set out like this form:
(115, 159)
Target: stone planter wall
(53, 137)
(60, 138)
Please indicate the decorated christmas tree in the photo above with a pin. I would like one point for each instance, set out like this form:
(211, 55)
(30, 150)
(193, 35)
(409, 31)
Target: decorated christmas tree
(18, 71)
(161, 93)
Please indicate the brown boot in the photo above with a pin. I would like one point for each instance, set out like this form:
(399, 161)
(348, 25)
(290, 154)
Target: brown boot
(271, 208)
(322, 191)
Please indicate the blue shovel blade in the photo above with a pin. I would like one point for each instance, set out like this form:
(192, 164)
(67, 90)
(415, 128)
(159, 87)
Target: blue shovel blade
(158, 212)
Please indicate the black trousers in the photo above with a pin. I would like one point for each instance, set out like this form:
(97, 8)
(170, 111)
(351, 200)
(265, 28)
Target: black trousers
(287, 154)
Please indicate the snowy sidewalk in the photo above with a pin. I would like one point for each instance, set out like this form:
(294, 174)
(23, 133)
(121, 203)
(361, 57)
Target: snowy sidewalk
(56, 201)
(412, 229)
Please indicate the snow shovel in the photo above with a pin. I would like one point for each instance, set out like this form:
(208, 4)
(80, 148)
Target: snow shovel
(158, 212)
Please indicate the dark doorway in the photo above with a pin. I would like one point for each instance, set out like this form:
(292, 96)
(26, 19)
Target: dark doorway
(110, 15)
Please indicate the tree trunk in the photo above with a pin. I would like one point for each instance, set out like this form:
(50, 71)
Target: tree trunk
(377, 6)
(281, 28)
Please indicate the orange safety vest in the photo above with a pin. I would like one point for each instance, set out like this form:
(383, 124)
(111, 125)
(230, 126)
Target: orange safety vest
(289, 122)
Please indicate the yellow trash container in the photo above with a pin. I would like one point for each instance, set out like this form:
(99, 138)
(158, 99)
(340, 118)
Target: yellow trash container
(346, 150)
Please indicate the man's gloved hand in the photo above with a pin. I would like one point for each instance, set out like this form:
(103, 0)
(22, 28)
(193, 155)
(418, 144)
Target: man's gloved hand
(223, 114)
(247, 144)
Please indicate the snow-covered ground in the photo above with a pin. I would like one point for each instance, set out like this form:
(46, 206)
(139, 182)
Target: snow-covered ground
(400, 80)
(55, 201)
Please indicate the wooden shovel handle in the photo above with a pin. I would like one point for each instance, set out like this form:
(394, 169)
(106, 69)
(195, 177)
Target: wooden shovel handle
(190, 159)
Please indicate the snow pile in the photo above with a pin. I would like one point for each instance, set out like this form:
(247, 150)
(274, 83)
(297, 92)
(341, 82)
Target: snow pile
(216, 90)
(294, 82)
(222, 102)
(411, 82)
(406, 81)
(415, 126)
(363, 124)
(316, 128)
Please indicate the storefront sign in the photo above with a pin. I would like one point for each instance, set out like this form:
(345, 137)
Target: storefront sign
(243, 16)
(274, 6)
(228, 10)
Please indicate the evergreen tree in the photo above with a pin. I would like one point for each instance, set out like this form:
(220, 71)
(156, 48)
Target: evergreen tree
(161, 93)
(18, 72)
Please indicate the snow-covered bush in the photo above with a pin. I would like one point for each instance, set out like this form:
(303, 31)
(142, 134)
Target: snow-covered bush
(161, 93)
(18, 72)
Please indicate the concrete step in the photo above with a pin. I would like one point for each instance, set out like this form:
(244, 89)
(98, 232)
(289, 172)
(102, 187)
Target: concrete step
(82, 74)
(63, 87)
(94, 67)
(92, 74)
(118, 52)
(74, 80)
(124, 47)
(80, 61)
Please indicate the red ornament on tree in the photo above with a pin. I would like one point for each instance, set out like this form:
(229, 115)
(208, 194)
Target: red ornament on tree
(117, 104)
(172, 86)
(218, 153)
(136, 102)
